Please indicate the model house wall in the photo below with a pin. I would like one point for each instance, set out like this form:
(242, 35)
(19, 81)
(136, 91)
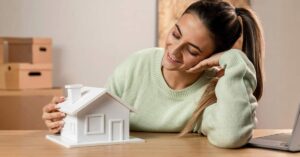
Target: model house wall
(114, 115)
(70, 128)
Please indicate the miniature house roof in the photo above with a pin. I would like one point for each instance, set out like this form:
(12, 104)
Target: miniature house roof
(88, 95)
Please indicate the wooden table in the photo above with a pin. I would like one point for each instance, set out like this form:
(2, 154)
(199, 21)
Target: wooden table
(33, 144)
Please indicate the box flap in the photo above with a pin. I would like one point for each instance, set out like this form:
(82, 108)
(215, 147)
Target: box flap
(16, 40)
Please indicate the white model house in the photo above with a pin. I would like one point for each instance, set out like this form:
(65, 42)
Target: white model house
(93, 117)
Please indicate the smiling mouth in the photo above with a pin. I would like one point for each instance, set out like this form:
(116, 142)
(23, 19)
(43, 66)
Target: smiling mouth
(172, 59)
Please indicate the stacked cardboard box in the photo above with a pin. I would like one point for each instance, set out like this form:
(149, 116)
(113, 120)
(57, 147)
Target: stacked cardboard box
(22, 109)
(25, 63)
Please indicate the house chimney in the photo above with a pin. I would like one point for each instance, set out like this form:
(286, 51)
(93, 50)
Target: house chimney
(74, 92)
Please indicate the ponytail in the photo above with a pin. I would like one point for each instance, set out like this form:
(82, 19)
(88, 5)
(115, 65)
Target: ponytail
(253, 45)
(208, 98)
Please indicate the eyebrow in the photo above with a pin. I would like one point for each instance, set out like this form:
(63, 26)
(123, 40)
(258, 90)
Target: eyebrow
(189, 42)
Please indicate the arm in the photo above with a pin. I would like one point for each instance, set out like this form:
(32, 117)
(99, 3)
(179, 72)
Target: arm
(229, 122)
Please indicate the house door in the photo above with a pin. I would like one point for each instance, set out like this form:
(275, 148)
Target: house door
(116, 130)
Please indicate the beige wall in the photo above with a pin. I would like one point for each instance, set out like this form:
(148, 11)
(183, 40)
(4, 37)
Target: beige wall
(281, 21)
(92, 37)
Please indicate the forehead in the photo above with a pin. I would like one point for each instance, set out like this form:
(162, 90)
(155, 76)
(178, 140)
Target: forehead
(194, 31)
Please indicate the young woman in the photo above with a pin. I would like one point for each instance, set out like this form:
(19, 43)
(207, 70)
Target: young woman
(179, 89)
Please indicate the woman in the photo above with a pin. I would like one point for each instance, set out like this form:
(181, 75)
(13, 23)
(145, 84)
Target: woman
(175, 89)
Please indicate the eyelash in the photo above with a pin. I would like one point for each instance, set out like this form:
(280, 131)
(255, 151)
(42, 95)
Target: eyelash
(175, 35)
(178, 37)
(193, 54)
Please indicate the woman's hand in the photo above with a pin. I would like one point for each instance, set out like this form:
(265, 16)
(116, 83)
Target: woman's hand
(210, 62)
(52, 117)
(214, 60)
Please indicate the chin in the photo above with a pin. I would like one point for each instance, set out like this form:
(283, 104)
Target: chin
(170, 67)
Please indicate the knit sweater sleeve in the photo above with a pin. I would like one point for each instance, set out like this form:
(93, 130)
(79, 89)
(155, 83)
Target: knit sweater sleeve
(229, 122)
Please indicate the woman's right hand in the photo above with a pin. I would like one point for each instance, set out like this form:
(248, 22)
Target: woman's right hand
(52, 117)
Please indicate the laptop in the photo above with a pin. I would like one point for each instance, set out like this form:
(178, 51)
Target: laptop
(281, 141)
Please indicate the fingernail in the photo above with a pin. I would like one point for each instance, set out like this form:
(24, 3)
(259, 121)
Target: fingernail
(62, 98)
(61, 122)
(63, 114)
(57, 106)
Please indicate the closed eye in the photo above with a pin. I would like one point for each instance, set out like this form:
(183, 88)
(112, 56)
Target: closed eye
(193, 53)
(175, 35)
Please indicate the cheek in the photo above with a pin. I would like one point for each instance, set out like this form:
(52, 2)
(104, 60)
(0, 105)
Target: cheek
(170, 40)
(190, 61)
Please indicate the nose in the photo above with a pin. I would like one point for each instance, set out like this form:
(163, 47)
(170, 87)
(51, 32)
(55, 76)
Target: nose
(176, 50)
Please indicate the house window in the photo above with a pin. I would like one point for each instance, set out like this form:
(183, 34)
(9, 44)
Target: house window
(94, 124)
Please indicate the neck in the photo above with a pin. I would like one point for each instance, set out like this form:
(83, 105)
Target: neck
(179, 80)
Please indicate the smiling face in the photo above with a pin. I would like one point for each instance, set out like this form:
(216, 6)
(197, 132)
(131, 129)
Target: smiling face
(188, 43)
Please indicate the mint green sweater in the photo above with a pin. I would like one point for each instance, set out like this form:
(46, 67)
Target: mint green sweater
(228, 123)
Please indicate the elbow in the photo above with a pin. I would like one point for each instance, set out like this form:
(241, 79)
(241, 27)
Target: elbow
(231, 139)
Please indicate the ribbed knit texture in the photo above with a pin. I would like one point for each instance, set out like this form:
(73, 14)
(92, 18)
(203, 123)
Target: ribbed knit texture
(228, 123)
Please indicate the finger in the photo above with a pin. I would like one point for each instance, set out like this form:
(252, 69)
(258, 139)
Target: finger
(218, 68)
(54, 115)
(56, 130)
(220, 73)
(48, 123)
(57, 119)
(199, 67)
(50, 108)
(53, 125)
(56, 100)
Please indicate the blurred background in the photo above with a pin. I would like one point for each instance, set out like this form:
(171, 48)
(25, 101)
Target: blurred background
(90, 38)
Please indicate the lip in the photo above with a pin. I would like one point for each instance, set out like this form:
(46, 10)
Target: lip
(171, 60)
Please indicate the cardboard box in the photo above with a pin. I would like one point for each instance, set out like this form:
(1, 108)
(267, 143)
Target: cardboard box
(22, 109)
(25, 76)
(1, 53)
(27, 50)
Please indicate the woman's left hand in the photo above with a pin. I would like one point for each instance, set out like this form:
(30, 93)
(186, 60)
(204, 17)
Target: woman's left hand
(206, 63)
